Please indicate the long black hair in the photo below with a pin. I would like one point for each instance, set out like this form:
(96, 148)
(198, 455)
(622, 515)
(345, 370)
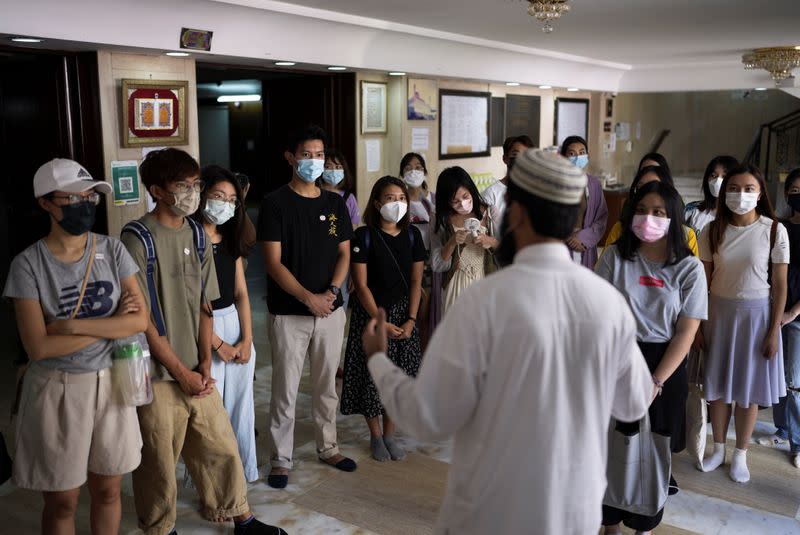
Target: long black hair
(725, 215)
(656, 157)
(677, 247)
(232, 231)
(372, 214)
(727, 163)
(661, 172)
(447, 185)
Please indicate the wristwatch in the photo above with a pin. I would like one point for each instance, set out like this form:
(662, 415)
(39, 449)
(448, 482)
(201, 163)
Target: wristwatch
(335, 290)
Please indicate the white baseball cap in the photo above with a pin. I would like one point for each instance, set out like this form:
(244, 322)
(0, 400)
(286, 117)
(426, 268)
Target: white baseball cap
(62, 174)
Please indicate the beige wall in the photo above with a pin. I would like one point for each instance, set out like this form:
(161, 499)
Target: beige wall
(703, 125)
(113, 67)
(397, 141)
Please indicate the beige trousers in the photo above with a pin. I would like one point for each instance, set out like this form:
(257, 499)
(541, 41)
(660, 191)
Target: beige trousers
(292, 337)
(175, 424)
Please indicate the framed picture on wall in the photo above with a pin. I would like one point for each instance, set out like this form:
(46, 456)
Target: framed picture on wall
(421, 99)
(154, 113)
(464, 119)
(373, 108)
(572, 119)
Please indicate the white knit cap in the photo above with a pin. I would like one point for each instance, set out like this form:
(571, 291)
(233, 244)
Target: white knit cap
(549, 176)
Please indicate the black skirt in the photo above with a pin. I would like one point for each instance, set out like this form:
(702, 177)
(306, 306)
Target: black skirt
(668, 411)
(359, 394)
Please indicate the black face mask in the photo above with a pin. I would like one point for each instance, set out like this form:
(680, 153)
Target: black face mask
(507, 249)
(510, 164)
(78, 218)
(794, 201)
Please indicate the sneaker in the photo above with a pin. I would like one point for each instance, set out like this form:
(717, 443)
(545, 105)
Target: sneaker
(771, 441)
(796, 460)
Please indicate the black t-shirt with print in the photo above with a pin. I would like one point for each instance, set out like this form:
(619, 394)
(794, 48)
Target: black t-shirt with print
(309, 231)
(383, 276)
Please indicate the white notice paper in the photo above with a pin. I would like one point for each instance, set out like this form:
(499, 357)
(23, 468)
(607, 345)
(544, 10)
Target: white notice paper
(373, 155)
(419, 139)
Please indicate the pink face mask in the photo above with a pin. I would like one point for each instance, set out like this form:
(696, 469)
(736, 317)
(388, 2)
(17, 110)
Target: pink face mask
(649, 228)
(464, 207)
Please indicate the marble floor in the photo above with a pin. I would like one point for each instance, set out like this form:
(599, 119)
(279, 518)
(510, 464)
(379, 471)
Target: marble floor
(321, 500)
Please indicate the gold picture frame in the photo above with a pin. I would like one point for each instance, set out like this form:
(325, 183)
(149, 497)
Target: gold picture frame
(154, 113)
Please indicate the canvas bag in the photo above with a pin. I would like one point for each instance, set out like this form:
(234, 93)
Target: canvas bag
(696, 409)
(638, 470)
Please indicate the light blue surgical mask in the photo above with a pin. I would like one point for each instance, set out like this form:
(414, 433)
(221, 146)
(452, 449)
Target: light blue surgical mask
(333, 176)
(582, 160)
(310, 170)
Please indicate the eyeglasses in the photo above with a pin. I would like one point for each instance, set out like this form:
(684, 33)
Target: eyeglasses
(76, 198)
(219, 196)
(185, 187)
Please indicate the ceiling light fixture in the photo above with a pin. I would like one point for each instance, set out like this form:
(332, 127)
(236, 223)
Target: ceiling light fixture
(778, 61)
(26, 40)
(512, 84)
(337, 68)
(548, 11)
(545, 87)
(239, 98)
(285, 63)
(572, 89)
(177, 54)
(761, 88)
(397, 73)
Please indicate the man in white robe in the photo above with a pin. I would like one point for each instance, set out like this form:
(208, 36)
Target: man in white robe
(525, 373)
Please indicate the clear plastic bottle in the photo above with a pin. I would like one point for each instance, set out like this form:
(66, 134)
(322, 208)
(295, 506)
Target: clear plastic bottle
(131, 371)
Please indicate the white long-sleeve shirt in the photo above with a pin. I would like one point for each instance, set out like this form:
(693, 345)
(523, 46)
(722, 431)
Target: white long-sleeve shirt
(525, 373)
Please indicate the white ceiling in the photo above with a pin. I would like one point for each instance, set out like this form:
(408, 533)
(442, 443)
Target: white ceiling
(634, 32)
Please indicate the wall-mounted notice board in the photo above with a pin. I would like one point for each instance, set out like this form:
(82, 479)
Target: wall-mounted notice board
(464, 124)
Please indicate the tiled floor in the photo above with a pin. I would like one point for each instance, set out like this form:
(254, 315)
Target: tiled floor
(378, 499)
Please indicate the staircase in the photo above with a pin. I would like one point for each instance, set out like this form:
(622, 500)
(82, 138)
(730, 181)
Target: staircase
(690, 186)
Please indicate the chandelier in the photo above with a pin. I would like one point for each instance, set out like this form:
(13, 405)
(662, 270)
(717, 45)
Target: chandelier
(779, 61)
(548, 11)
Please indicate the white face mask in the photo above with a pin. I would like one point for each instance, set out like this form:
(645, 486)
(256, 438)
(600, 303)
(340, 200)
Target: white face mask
(741, 202)
(393, 212)
(218, 212)
(715, 185)
(414, 178)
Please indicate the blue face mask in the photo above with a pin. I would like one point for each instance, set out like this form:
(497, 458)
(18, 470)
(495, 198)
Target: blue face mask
(333, 176)
(310, 170)
(581, 161)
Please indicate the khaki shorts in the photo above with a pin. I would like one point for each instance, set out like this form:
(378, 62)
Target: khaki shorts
(70, 424)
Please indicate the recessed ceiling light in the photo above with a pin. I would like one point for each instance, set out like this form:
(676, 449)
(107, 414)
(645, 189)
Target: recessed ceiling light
(26, 40)
(761, 88)
(285, 63)
(512, 84)
(545, 87)
(177, 54)
(239, 98)
(572, 89)
(336, 68)
(397, 73)
(797, 47)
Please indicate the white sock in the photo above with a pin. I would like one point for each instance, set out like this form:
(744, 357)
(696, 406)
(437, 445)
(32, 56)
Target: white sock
(715, 461)
(739, 471)
(796, 460)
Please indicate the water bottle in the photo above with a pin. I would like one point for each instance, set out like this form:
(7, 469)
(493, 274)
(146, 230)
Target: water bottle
(131, 371)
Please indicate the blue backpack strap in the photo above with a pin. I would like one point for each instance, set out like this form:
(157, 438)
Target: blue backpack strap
(139, 230)
(199, 237)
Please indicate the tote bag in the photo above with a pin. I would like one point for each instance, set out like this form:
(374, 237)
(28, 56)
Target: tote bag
(696, 410)
(638, 470)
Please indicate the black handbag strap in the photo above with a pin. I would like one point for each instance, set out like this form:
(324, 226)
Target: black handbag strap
(396, 263)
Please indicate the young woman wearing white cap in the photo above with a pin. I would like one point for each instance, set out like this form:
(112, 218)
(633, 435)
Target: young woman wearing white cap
(74, 292)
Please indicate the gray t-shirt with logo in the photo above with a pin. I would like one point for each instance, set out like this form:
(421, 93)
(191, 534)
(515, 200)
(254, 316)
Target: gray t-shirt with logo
(658, 295)
(36, 274)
